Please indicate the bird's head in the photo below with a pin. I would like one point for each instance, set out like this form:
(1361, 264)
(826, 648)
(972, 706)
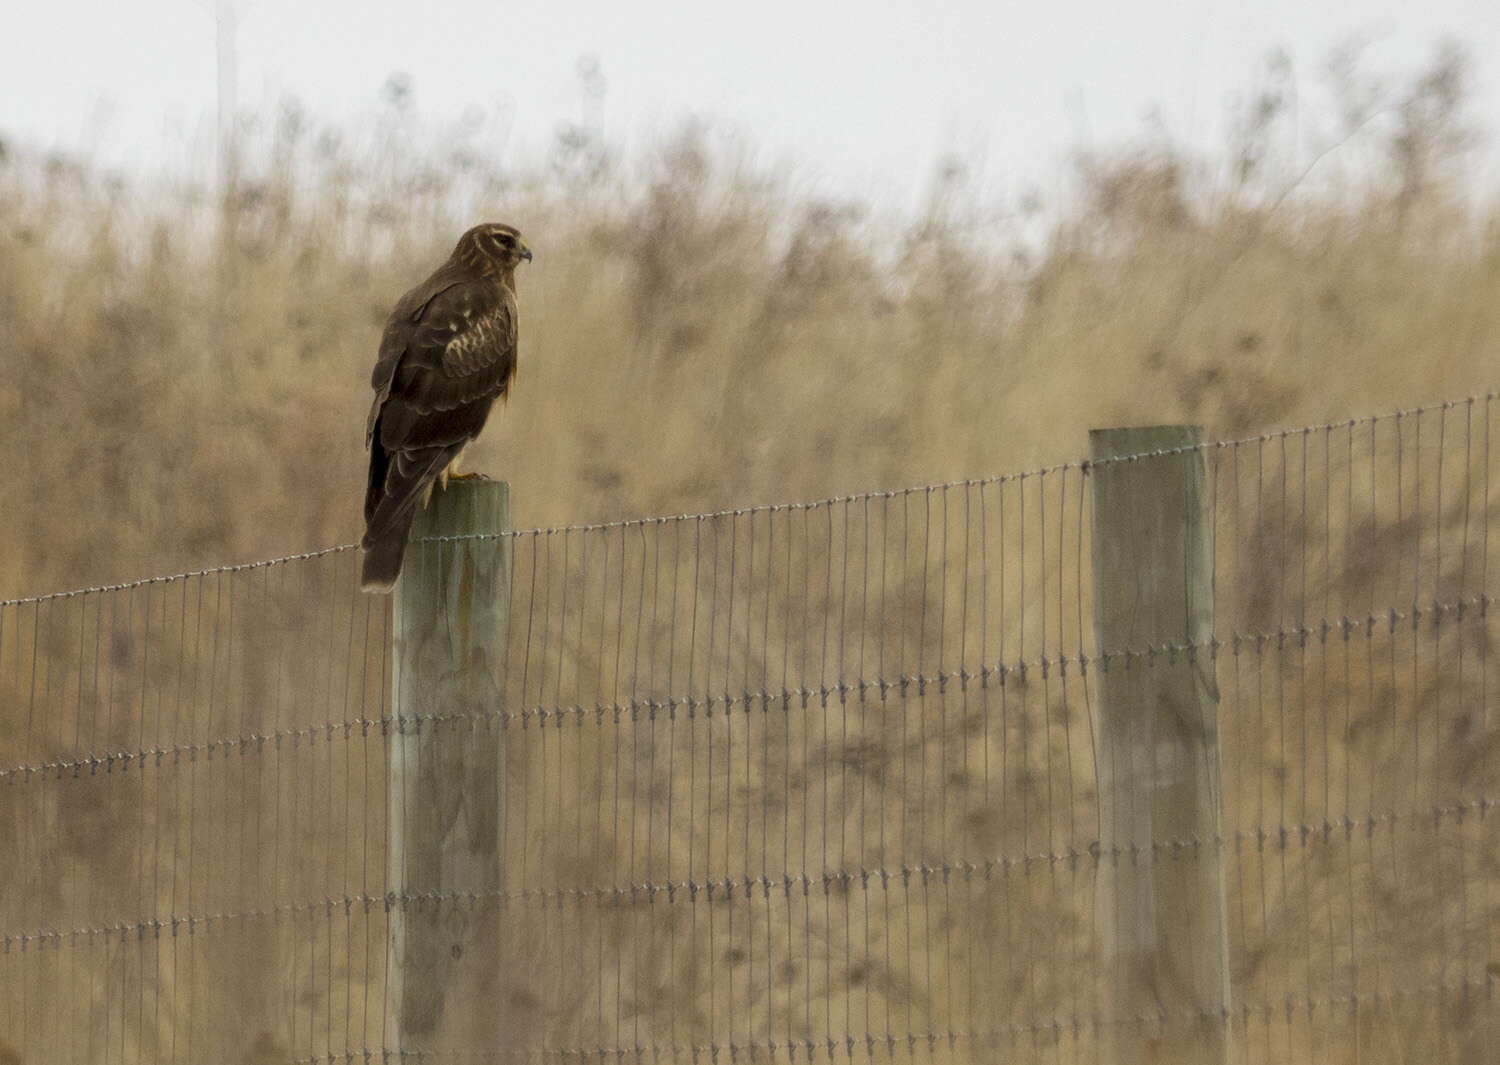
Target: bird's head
(493, 247)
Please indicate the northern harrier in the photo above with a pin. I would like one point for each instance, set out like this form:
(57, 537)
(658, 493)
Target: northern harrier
(448, 352)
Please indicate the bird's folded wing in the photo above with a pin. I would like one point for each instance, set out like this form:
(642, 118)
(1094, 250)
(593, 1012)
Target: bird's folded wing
(461, 351)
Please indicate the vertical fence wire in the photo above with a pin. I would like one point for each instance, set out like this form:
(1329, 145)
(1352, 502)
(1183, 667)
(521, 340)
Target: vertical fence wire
(809, 782)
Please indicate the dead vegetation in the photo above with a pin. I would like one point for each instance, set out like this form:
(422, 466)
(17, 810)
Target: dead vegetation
(186, 386)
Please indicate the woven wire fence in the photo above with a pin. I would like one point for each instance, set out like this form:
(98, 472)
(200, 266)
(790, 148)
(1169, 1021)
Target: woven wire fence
(809, 781)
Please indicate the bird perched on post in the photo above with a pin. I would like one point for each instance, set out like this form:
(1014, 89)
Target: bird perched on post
(448, 352)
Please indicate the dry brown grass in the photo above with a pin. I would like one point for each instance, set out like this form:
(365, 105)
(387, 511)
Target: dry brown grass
(186, 387)
(694, 333)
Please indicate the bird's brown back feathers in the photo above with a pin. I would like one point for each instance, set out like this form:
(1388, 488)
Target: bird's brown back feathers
(447, 353)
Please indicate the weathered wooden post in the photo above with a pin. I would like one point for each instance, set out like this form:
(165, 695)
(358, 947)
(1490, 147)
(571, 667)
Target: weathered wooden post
(1160, 905)
(450, 624)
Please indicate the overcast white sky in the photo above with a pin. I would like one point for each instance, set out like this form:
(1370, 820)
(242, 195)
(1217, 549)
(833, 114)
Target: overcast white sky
(863, 97)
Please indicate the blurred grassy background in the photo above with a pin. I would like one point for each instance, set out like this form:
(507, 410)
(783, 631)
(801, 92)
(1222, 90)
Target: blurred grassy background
(187, 373)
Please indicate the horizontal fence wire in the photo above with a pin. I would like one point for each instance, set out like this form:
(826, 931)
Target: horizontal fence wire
(813, 781)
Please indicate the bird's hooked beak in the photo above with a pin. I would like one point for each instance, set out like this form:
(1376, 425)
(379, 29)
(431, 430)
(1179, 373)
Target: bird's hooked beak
(525, 251)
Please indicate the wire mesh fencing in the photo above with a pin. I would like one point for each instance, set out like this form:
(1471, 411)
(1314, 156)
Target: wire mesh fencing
(805, 782)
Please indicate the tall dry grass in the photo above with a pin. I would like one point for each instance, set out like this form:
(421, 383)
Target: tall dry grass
(186, 375)
(187, 387)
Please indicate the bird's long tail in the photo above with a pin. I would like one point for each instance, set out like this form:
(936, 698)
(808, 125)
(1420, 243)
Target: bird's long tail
(383, 554)
(398, 485)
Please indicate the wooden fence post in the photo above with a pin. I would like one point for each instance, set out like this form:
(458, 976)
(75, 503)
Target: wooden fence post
(1160, 905)
(445, 786)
